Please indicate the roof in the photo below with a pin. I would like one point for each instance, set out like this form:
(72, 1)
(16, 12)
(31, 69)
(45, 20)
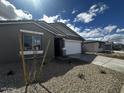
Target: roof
(63, 29)
(46, 25)
(57, 29)
(93, 41)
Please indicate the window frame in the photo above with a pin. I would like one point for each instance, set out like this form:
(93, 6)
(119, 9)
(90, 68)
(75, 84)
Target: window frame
(31, 52)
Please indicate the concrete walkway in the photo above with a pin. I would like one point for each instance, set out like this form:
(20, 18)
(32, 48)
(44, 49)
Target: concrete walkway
(119, 52)
(111, 63)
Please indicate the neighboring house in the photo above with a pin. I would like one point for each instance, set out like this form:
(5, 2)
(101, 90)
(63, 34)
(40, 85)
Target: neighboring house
(93, 46)
(97, 46)
(35, 37)
(118, 46)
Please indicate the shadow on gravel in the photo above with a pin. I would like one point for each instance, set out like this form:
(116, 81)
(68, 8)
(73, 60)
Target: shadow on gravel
(60, 67)
(86, 58)
(11, 75)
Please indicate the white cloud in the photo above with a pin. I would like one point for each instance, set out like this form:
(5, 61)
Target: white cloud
(120, 30)
(110, 28)
(63, 20)
(53, 19)
(119, 38)
(9, 12)
(50, 19)
(85, 17)
(98, 32)
(74, 11)
(103, 7)
(74, 28)
(103, 34)
(92, 33)
(88, 16)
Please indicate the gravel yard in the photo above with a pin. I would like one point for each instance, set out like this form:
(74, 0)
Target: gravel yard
(11, 76)
(75, 77)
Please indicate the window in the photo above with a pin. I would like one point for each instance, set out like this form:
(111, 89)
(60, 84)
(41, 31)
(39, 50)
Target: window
(27, 42)
(101, 45)
(32, 42)
(36, 42)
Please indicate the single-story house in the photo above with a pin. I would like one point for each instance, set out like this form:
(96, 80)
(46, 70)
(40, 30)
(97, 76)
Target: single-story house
(118, 46)
(93, 46)
(35, 36)
(97, 46)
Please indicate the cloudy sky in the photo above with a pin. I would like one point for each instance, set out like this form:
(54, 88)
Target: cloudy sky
(92, 19)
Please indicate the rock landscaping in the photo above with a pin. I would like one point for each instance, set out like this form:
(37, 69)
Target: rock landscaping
(75, 77)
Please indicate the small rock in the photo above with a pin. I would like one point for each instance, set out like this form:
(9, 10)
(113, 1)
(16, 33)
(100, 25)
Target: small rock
(10, 73)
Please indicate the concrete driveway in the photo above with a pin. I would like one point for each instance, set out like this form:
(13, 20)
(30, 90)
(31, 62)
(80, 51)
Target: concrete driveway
(111, 63)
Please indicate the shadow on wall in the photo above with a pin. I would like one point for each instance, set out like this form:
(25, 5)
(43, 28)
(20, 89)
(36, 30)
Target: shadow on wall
(11, 75)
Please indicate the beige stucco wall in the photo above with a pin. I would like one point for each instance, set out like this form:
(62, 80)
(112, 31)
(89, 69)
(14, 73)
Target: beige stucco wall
(9, 47)
(92, 47)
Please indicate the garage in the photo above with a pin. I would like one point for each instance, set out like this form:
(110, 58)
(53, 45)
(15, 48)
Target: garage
(72, 46)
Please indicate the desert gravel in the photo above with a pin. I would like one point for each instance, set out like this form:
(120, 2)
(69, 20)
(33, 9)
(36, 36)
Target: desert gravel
(61, 77)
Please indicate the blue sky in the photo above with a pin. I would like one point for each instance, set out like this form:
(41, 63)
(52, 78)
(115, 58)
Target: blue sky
(92, 19)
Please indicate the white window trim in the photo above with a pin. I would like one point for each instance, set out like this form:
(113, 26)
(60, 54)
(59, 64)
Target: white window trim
(31, 32)
(32, 52)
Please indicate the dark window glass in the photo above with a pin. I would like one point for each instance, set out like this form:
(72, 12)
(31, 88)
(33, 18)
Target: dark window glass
(27, 42)
(36, 40)
(101, 45)
(32, 42)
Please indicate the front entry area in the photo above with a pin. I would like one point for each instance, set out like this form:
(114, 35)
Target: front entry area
(65, 47)
(58, 46)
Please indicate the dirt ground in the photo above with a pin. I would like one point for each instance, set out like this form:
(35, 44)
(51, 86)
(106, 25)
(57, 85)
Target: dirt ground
(69, 77)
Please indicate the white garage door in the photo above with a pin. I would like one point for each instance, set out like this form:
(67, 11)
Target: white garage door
(72, 46)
